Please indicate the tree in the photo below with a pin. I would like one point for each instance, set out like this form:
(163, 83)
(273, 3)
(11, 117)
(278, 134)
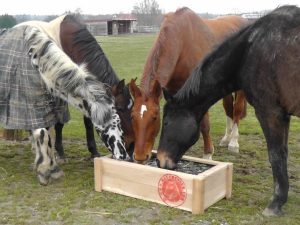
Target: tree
(7, 21)
(148, 12)
(77, 13)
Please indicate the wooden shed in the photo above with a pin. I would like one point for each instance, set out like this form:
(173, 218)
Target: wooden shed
(112, 25)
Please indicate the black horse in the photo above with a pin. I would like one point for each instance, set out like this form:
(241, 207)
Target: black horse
(263, 60)
(79, 44)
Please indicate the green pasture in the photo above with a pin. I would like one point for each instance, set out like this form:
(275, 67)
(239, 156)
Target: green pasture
(72, 200)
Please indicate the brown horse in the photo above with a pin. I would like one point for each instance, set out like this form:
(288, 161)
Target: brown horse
(78, 43)
(183, 41)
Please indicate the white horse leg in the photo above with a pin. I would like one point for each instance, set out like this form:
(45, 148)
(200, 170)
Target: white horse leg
(45, 163)
(226, 139)
(233, 144)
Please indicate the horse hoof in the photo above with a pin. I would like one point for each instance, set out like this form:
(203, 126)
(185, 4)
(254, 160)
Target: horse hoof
(95, 155)
(61, 160)
(224, 142)
(43, 180)
(207, 156)
(32, 167)
(56, 173)
(233, 148)
(272, 212)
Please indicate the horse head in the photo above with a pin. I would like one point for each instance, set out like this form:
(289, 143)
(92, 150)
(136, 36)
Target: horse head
(124, 103)
(180, 130)
(145, 116)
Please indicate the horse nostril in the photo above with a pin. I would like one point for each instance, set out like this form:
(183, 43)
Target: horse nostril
(147, 158)
(139, 160)
(158, 163)
(166, 164)
(130, 150)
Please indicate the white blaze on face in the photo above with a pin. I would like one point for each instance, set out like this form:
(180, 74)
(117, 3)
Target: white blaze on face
(143, 109)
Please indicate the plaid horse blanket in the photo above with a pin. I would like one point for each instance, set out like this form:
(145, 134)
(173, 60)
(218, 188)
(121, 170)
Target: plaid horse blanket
(25, 102)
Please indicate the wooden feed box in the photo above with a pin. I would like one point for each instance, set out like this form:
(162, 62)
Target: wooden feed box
(189, 192)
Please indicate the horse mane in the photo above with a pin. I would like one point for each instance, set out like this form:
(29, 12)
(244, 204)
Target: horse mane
(228, 53)
(286, 10)
(228, 56)
(67, 80)
(181, 10)
(152, 63)
(168, 29)
(91, 52)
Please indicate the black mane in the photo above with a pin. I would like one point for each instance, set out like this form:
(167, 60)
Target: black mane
(228, 53)
(93, 54)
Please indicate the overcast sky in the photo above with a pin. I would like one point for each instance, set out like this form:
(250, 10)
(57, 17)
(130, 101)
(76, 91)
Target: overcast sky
(57, 7)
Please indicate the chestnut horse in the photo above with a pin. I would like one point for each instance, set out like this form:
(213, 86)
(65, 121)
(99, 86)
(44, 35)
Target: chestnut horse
(183, 41)
(263, 60)
(79, 44)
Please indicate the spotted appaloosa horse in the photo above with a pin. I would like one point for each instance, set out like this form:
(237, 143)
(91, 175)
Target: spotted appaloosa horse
(263, 60)
(37, 58)
(78, 43)
(183, 41)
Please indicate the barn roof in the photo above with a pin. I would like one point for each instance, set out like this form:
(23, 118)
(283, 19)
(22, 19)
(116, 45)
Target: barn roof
(107, 18)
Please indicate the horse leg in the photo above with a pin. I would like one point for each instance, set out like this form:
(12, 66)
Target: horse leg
(58, 142)
(45, 163)
(276, 128)
(90, 138)
(208, 145)
(239, 112)
(228, 107)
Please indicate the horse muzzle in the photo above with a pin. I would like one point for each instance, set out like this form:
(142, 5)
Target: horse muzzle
(165, 162)
(141, 160)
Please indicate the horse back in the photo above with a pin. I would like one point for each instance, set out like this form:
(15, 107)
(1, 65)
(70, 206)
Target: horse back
(198, 37)
(183, 41)
(224, 26)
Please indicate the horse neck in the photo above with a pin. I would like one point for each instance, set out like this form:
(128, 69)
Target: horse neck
(159, 66)
(216, 77)
(183, 41)
(82, 47)
(99, 65)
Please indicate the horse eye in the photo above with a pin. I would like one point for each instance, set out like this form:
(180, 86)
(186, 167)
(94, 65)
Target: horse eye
(154, 117)
(130, 104)
(120, 109)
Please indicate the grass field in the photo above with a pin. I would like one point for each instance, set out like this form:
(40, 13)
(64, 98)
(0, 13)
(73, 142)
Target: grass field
(72, 200)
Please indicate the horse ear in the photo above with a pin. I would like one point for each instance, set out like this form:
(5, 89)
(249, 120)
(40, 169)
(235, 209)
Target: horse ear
(167, 95)
(134, 90)
(117, 89)
(120, 86)
(156, 89)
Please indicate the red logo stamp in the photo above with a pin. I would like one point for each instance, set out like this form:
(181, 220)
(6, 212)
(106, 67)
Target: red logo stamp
(172, 190)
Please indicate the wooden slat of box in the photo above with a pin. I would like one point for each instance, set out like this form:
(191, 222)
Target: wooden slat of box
(141, 182)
